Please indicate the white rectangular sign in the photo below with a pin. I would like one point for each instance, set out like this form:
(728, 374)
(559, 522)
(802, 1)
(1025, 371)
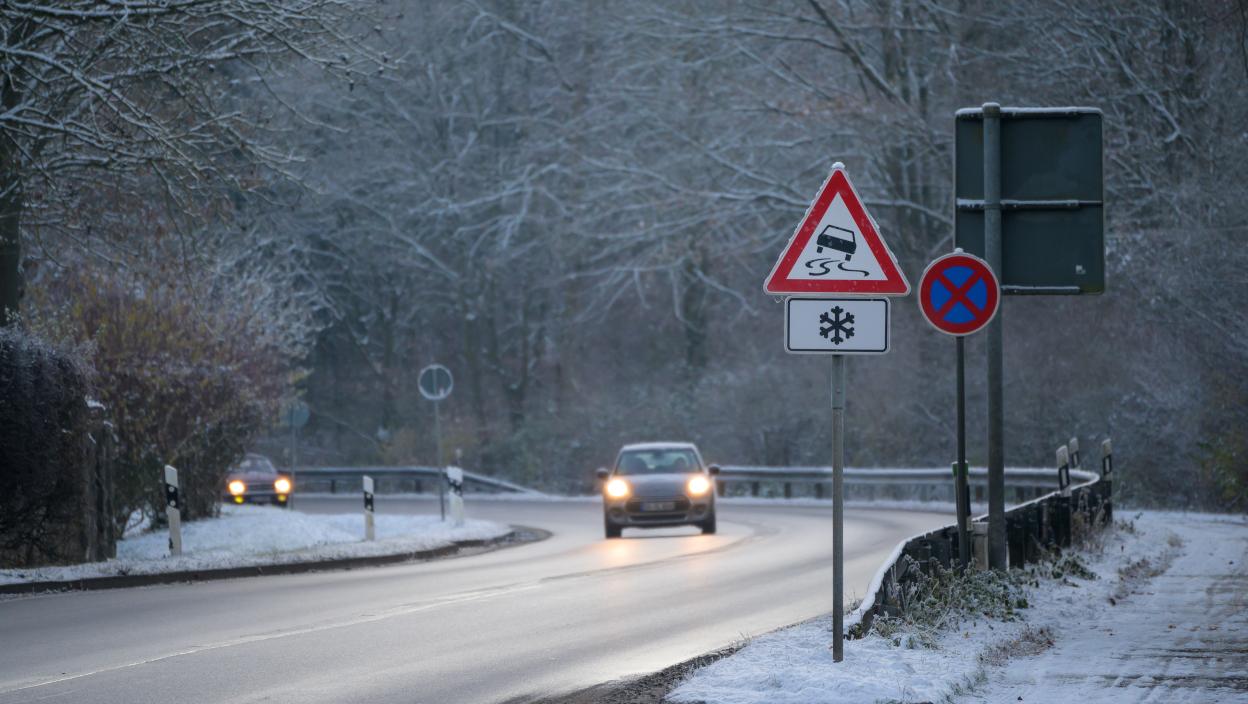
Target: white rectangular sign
(836, 325)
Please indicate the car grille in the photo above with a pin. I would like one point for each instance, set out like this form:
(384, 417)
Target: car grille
(634, 508)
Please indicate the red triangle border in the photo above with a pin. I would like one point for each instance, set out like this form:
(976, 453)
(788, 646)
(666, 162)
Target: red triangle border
(894, 283)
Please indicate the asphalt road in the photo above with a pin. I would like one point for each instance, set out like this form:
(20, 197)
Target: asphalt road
(539, 619)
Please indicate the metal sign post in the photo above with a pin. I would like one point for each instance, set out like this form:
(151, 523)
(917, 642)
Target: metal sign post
(1030, 196)
(997, 548)
(837, 249)
(296, 416)
(838, 507)
(959, 294)
(961, 484)
(435, 383)
(173, 509)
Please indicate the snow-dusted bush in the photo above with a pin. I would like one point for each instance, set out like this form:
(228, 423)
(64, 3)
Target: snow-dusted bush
(185, 382)
(44, 452)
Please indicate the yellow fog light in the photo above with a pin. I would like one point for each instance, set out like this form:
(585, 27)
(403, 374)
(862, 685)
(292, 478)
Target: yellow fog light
(698, 485)
(617, 488)
(237, 488)
(282, 485)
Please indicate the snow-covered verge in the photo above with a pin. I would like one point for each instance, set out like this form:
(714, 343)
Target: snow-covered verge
(1155, 603)
(246, 536)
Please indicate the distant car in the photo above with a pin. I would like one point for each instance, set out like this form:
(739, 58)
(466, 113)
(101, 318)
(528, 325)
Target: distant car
(658, 484)
(256, 480)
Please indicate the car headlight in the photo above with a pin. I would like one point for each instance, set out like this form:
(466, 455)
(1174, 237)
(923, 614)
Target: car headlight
(237, 488)
(698, 485)
(618, 488)
(282, 485)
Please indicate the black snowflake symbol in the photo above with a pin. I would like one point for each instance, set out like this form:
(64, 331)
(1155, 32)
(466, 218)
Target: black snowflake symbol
(837, 322)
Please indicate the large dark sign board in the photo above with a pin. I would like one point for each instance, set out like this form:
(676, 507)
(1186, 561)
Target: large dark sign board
(1052, 197)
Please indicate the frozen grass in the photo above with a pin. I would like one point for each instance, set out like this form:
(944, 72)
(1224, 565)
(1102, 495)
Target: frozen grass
(1015, 637)
(263, 535)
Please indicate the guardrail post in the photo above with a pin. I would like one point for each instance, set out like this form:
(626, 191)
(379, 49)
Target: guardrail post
(1031, 550)
(173, 510)
(1107, 470)
(1063, 497)
(962, 503)
(788, 490)
(720, 486)
(1016, 536)
(754, 489)
(367, 484)
(818, 490)
(980, 542)
(1073, 446)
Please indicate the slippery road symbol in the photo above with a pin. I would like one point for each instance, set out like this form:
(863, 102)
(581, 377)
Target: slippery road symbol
(841, 240)
(837, 321)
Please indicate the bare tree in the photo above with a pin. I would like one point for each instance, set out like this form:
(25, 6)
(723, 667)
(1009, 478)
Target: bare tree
(99, 100)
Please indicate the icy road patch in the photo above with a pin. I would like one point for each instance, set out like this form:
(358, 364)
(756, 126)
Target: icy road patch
(246, 536)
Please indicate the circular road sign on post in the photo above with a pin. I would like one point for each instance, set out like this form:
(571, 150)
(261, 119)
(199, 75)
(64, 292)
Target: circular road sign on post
(436, 382)
(959, 294)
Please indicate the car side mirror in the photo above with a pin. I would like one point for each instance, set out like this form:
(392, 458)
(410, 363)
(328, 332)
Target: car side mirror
(713, 469)
(603, 473)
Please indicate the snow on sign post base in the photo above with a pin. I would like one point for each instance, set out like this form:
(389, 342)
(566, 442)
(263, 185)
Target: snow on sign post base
(837, 249)
(836, 325)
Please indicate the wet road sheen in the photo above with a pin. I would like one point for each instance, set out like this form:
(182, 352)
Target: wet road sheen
(544, 618)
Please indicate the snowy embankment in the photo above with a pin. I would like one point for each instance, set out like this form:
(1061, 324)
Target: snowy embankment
(245, 536)
(1109, 623)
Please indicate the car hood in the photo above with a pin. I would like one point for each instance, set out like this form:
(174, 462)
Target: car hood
(250, 478)
(658, 484)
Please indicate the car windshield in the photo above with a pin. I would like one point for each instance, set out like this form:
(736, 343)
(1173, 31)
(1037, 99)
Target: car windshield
(662, 461)
(255, 465)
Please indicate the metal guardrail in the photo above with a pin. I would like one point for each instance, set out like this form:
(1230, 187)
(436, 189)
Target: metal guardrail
(1033, 529)
(395, 479)
(922, 484)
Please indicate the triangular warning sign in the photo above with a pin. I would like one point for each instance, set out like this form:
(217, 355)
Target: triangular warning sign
(837, 249)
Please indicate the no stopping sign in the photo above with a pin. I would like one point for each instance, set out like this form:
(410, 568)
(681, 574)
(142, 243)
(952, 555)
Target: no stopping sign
(959, 294)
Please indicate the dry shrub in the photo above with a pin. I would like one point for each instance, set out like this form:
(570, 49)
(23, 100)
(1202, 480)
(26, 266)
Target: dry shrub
(185, 383)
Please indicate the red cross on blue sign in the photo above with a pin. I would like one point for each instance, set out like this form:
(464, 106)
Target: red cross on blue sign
(959, 294)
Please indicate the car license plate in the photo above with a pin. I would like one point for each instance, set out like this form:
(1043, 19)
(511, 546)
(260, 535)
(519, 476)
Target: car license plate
(659, 506)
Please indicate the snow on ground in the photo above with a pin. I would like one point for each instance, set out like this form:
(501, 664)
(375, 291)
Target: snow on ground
(1162, 618)
(264, 535)
(1175, 630)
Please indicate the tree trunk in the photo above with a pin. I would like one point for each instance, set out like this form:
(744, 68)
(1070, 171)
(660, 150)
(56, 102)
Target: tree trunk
(11, 287)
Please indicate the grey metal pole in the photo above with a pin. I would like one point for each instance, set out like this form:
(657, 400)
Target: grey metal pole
(838, 507)
(294, 461)
(997, 548)
(960, 469)
(437, 431)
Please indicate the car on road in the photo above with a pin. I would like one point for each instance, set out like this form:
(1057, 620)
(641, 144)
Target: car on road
(658, 484)
(256, 480)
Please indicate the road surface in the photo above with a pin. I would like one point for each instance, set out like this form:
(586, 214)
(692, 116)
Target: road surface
(539, 619)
